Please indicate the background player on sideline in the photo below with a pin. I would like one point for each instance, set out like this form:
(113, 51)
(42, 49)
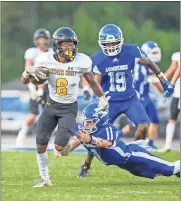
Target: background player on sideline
(174, 70)
(38, 94)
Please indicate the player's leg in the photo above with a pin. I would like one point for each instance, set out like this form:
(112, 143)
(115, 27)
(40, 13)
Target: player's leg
(45, 94)
(46, 124)
(67, 118)
(128, 127)
(142, 163)
(20, 140)
(154, 123)
(137, 114)
(66, 124)
(170, 128)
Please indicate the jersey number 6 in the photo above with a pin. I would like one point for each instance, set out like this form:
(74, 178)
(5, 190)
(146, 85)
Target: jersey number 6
(117, 81)
(61, 88)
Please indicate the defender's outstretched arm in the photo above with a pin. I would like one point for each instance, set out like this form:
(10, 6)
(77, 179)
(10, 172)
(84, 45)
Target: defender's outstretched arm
(71, 145)
(98, 142)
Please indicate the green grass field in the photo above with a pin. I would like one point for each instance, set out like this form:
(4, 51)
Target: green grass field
(19, 172)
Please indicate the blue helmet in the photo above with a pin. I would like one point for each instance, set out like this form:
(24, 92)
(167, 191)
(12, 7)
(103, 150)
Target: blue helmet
(89, 114)
(152, 51)
(110, 39)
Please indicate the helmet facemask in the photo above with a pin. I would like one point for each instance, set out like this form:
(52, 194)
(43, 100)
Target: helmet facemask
(111, 46)
(65, 49)
(42, 42)
(88, 126)
(42, 38)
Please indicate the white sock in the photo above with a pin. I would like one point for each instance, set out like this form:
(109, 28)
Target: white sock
(170, 129)
(22, 135)
(42, 160)
(177, 167)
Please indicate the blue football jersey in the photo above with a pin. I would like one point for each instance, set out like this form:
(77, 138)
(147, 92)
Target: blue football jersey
(113, 155)
(140, 77)
(116, 71)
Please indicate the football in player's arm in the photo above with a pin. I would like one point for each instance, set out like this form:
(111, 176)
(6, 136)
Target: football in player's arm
(35, 71)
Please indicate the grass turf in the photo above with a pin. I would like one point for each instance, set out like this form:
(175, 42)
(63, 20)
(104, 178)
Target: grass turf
(19, 171)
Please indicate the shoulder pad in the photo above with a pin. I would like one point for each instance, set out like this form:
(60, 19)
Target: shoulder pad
(97, 57)
(85, 60)
(129, 47)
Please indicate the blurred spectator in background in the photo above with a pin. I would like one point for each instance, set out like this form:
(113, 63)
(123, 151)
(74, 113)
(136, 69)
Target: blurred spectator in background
(38, 94)
(175, 104)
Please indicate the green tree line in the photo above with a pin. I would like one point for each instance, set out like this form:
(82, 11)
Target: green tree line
(139, 21)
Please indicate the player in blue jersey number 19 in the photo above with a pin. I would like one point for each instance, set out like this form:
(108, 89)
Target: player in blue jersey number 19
(101, 139)
(113, 66)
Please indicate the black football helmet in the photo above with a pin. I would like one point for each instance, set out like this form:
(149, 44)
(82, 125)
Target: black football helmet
(44, 33)
(65, 34)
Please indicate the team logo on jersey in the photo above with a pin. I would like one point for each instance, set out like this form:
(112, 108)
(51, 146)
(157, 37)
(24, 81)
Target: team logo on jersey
(116, 68)
(70, 68)
(115, 59)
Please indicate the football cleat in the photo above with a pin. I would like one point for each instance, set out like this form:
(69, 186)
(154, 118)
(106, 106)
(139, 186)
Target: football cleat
(42, 183)
(177, 174)
(84, 171)
(165, 150)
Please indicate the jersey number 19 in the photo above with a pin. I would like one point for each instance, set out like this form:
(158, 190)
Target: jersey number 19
(117, 81)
